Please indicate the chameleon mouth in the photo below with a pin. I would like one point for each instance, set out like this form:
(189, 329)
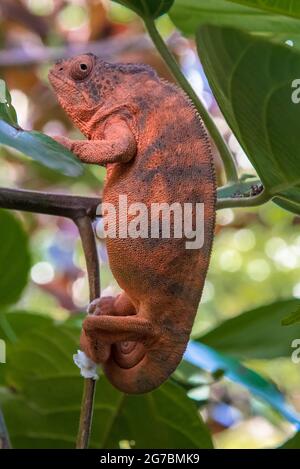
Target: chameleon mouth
(54, 77)
(57, 80)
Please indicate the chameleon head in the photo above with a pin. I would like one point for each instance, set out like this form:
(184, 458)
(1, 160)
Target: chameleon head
(139, 364)
(73, 81)
(65, 75)
(85, 84)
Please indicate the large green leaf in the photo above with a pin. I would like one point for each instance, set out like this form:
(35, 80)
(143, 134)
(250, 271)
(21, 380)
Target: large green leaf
(41, 148)
(292, 318)
(258, 333)
(43, 410)
(188, 15)
(172, 421)
(19, 322)
(16, 323)
(147, 8)
(209, 359)
(289, 200)
(284, 7)
(14, 259)
(252, 81)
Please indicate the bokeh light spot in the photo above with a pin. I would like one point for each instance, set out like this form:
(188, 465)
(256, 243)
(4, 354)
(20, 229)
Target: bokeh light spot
(42, 273)
(244, 240)
(258, 270)
(230, 260)
(225, 217)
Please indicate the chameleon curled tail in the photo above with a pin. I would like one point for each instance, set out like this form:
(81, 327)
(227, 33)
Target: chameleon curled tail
(136, 354)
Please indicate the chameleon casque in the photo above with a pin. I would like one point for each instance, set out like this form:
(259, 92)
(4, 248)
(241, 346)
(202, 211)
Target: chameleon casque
(148, 135)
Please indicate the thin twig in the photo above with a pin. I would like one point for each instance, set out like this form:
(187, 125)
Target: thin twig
(87, 236)
(4, 436)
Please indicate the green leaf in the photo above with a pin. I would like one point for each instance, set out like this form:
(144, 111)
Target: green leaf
(41, 148)
(257, 333)
(43, 410)
(14, 324)
(285, 200)
(38, 146)
(14, 259)
(147, 8)
(252, 81)
(209, 359)
(284, 7)
(293, 443)
(172, 421)
(7, 111)
(21, 321)
(188, 15)
(292, 318)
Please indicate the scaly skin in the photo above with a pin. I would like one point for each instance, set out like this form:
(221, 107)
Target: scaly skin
(154, 146)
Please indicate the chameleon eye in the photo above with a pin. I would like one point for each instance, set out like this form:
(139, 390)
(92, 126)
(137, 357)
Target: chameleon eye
(81, 68)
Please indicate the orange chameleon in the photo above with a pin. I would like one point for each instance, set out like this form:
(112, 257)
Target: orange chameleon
(150, 138)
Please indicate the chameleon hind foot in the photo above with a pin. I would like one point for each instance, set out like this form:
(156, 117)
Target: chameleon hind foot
(121, 305)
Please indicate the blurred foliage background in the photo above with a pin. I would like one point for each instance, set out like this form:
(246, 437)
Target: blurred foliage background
(256, 254)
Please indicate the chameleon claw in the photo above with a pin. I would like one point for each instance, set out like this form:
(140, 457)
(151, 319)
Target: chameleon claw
(64, 141)
(102, 306)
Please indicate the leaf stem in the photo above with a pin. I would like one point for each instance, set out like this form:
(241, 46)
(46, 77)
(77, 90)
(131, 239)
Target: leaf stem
(168, 57)
(234, 202)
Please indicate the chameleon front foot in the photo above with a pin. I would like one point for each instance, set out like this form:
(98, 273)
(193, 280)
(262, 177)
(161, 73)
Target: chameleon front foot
(64, 141)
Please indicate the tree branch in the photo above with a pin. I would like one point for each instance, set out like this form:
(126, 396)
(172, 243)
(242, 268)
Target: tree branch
(63, 205)
(87, 236)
